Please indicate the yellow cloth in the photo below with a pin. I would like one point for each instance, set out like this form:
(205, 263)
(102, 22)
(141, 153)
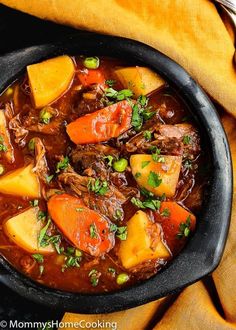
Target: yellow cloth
(192, 33)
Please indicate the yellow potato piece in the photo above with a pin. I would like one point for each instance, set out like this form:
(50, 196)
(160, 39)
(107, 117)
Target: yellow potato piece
(21, 182)
(50, 79)
(140, 80)
(24, 228)
(168, 171)
(137, 247)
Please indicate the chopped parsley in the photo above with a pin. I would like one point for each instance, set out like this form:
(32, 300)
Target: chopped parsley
(165, 213)
(98, 187)
(62, 164)
(158, 159)
(42, 233)
(113, 227)
(93, 231)
(34, 203)
(49, 178)
(3, 147)
(152, 204)
(94, 277)
(118, 95)
(110, 159)
(147, 135)
(145, 163)
(141, 112)
(184, 228)
(186, 139)
(38, 257)
(110, 82)
(118, 214)
(72, 259)
(156, 155)
(137, 175)
(154, 180)
(121, 233)
(41, 215)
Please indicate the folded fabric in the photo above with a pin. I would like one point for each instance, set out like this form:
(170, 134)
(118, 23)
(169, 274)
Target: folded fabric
(192, 33)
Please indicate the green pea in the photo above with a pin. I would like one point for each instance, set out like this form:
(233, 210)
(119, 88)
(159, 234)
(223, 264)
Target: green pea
(91, 62)
(1, 169)
(120, 165)
(31, 145)
(122, 278)
(45, 116)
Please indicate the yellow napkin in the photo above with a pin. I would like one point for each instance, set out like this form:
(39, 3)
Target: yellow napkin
(192, 33)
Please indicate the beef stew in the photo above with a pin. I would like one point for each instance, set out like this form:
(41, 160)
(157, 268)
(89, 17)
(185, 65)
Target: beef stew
(102, 173)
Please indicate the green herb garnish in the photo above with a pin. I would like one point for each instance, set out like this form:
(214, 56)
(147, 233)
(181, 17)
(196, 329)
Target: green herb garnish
(93, 231)
(62, 164)
(110, 82)
(165, 213)
(184, 228)
(118, 95)
(186, 139)
(154, 180)
(43, 232)
(110, 159)
(122, 233)
(34, 203)
(49, 178)
(38, 257)
(98, 187)
(3, 147)
(147, 135)
(145, 163)
(94, 277)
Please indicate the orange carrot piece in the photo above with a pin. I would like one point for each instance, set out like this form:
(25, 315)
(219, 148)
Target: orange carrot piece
(88, 77)
(101, 125)
(176, 215)
(85, 228)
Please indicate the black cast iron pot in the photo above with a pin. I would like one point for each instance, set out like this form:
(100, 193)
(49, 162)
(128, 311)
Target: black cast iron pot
(203, 252)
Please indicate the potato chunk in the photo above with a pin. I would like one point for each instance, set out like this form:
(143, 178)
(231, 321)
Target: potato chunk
(24, 228)
(50, 79)
(21, 182)
(140, 80)
(160, 176)
(143, 242)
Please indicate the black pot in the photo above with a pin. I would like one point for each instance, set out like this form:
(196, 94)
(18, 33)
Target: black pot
(203, 252)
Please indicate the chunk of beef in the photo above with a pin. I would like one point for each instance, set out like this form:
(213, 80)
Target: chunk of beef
(106, 204)
(41, 166)
(89, 159)
(88, 100)
(19, 131)
(179, 139)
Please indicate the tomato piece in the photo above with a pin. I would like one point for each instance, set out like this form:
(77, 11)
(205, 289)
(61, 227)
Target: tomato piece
(101, 125)
(86, 229)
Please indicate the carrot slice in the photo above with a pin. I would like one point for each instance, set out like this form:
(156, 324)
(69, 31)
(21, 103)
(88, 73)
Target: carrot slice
(174, 219)
(88, 77)
(101, 125)
(85, 228)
